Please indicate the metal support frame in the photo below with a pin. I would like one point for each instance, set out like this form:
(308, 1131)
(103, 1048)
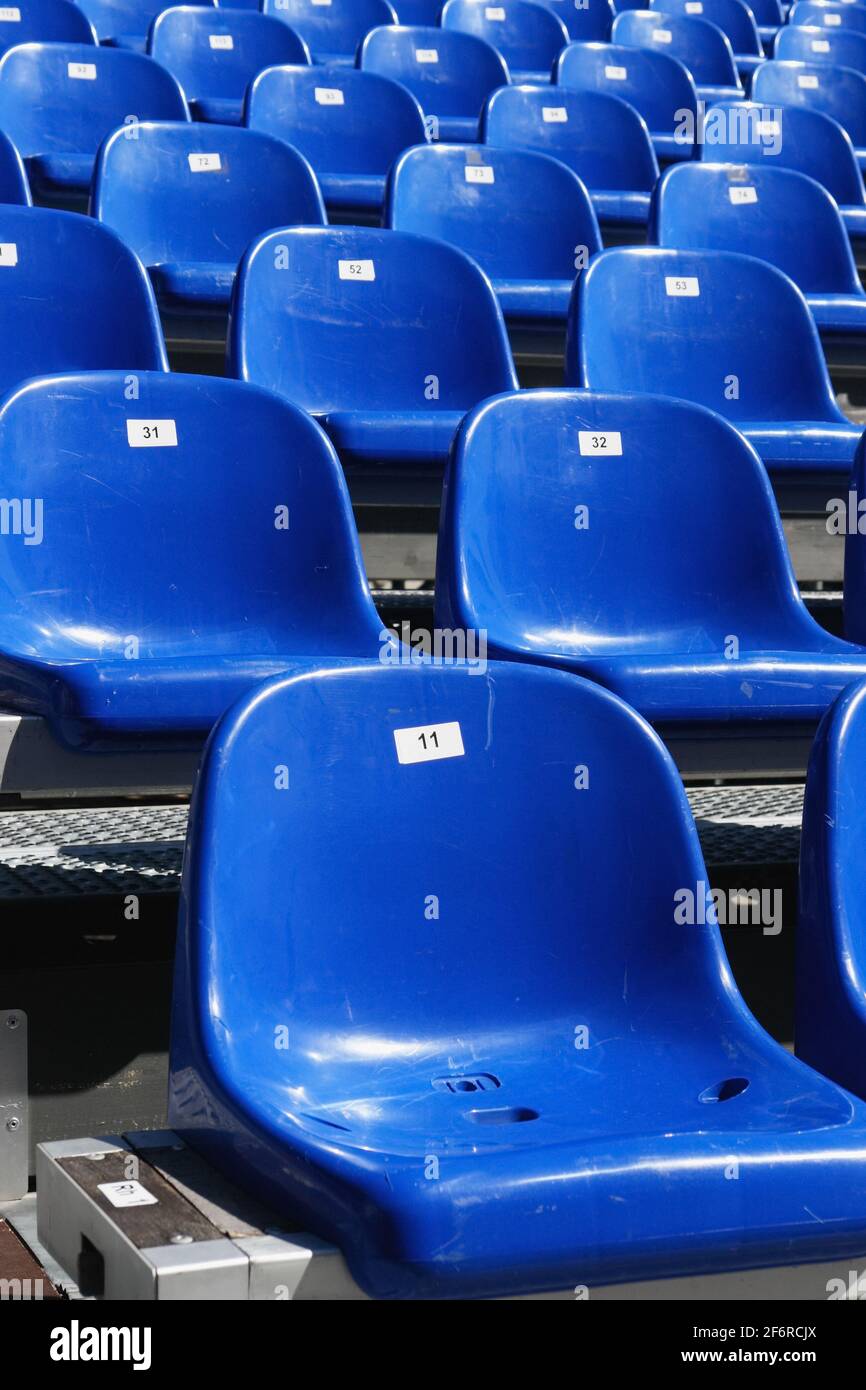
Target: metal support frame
(14, 1127)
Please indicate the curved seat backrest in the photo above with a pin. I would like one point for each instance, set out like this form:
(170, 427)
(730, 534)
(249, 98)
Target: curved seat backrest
(799, 43)
(217, 53)
(587, 21)
(44, 21)
(734, 17)
(528, 35)
(123, 18)
(337, 28)
(837, 92)
(788, 137)
(659, 87)
(699, 45)
(449, 73)
(14, 184)
(828, 16)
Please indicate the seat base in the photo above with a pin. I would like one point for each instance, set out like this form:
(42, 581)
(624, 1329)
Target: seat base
(620, 205)
(543, 300)
(802, 446)
(218, 110)
(193, 283)
(410, 436)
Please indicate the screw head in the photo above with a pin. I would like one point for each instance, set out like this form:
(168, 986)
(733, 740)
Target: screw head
(180, 1240)
(13, 1123)
(12, 1021)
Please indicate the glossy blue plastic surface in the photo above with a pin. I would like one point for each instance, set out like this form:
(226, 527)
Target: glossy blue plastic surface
(830, 1022)
(14, 185)
(529, 36)
(700, 46)
(546, 1082)
(453, 86)
(352, 142)
(190, 226)
(733, 17)
(830, 16)
(125, 23)
(844, 48)
(659, 88)
(745, 345)
(44, 21)
(333, 32)
(165, 583)
(418, 11)
(58, 120)
(563, 537)
(807, 141)
(75, 298)
(837, 92)
(793, 223)
(525, 226)
(386, 337)
(191, 43)
(587, 21)
(601, 138)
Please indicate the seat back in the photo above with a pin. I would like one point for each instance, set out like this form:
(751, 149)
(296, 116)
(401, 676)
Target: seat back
(217, 53)
(341, 120)
(72, 297)
(587, 21)
(656, 85)
(830, 988)
(125, 18)
(800, 43)
(185, 192)
(735, 19)
(767, 13)
(520, 215)
(65, 98)
(700, 46)
(14, 184)
(528, 35)
(778, 215)
(824, 15)
(449, 73)
(855, 554)
(790, 137)
(44, 21)
(837, 92)
(424, 12)
(196, 514)
(362, 319)
(724, 330)
(562, 530)
(336, 29)
(601, 138)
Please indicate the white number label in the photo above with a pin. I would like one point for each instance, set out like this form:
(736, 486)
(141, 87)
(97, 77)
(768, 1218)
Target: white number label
(694, 7)
(10, 16)
(820, 46)
(427, 55)
(127, 1194)
(221, 41)
(321, 2)
(330, 96)
(554, 115)
(8, 253)
(616, 74)
(768, 128)
(832, 20)
(428, 742)
(204, 163)
(807, 81)
(479, 173)
(662, 36)
(600, 442)
(682, 286)
(84, 71)
(495, 13)
(357, 270)
(747, 194)
(151, 434)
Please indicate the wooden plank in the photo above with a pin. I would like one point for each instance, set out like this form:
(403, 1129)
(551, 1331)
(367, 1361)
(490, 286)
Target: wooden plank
(21, 1275)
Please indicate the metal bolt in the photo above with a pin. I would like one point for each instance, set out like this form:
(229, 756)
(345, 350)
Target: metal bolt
(12, 1021)
(13, 1124)
(180, 1240)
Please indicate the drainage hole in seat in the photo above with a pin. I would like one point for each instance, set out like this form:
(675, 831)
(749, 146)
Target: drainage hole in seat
(724, 1090)
(504, 1115)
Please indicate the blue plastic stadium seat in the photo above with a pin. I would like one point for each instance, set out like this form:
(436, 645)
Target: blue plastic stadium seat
(829, 16)
(658, 87)
(72, 297)
(735, 19)
(14, 185)
(350, 125)
(418, 11)
(700, 46)
(197, 538)
(844, 48)
(215, 54)
(385, 337)
(125, 23)
(525, 218)
(728, 331)
(332, 29)
(189, 199)
(830, 1024)
(529, 36)
(837, 92)
(449, 73)
(600, 137)
(59, 101)
(44, 21)
(769, 17)
(790, 137)
(587, 21)
(568, 536)
(778, 215)
(533, 1091)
